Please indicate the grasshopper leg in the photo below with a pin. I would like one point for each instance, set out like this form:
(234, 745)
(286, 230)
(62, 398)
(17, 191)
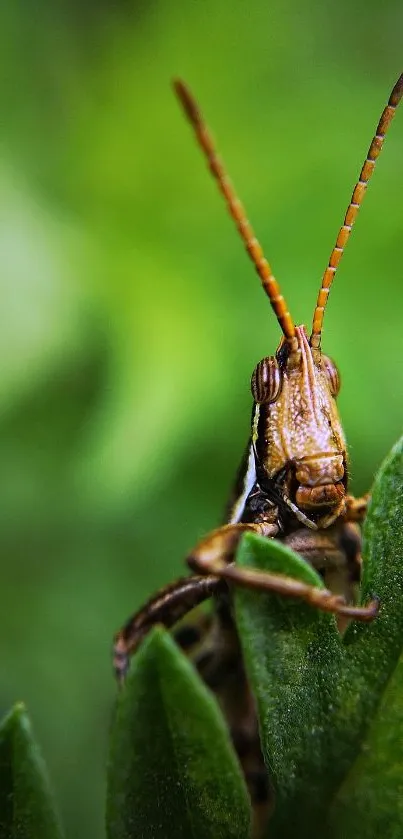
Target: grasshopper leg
(215, 553)
(167, 607)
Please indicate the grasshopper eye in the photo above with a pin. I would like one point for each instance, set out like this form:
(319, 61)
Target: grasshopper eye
(266, 380)
(332, 373)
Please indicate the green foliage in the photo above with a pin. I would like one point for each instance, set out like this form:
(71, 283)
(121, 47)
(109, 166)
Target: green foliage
(370, 800)
(172, 774)
(330, 713)
(291, 651)
(27, 810)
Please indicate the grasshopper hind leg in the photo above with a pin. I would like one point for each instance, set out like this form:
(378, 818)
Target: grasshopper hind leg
(167, 607)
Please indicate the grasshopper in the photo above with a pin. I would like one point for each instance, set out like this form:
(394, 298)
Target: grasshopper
(291, 486)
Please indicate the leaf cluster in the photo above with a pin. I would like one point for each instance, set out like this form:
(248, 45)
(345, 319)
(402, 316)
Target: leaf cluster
(329, 709)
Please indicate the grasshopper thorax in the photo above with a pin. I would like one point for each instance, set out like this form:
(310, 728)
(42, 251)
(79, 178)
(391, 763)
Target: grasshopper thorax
(298, 440)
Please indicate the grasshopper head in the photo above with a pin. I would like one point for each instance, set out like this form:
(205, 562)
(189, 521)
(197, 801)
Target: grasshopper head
(298, 440)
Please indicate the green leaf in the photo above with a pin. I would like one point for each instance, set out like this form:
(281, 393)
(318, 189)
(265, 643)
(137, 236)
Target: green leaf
(317, 694)
(371, 798)
(27, 810)
(172, 770)
(290, 650)
(370, 801)
(373, 651)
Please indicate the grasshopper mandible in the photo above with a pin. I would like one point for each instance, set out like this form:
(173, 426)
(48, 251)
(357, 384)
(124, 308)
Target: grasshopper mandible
(291, 486)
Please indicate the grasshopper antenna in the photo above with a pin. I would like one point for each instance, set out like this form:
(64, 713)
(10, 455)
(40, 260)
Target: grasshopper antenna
(237, 212)
(352, 210)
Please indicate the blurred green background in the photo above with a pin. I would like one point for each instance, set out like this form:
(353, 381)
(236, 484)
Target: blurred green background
(130, 317)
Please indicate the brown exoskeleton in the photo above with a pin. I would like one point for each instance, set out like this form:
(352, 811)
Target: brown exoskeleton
(292, 486)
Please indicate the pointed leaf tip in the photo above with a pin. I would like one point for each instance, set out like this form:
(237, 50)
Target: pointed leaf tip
(172, 771)
(27, 808)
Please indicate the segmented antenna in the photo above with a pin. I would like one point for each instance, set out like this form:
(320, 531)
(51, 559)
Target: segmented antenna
(352, 210)
(236, 210)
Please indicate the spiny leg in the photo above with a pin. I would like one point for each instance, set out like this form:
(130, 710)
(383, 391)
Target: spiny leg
(215, 554)
(167, 607)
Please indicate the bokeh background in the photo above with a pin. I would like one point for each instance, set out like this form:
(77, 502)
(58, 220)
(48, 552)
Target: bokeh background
(130, 318)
